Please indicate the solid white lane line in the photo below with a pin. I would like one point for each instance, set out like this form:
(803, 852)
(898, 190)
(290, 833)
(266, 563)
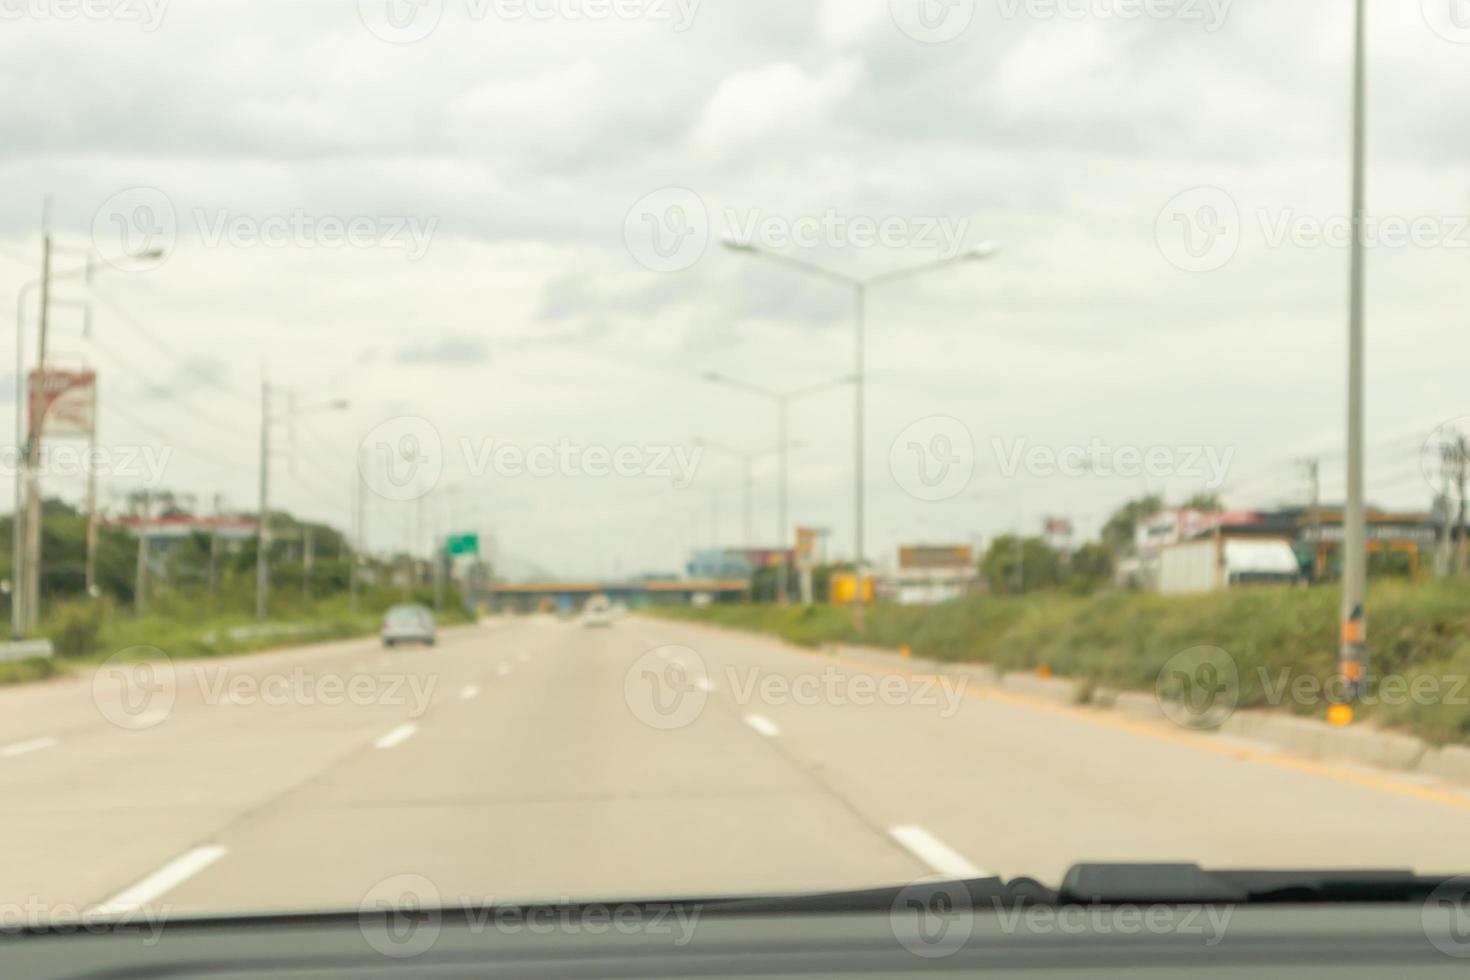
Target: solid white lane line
(397, 736)
(470, 691)
(30, 745)
(935, 853)
(762, 724)
(162, 881)
(503, 670)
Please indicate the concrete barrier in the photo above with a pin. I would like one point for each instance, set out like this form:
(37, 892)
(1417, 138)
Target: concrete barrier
(25, 649)
(1447, 762)
(1058, 690)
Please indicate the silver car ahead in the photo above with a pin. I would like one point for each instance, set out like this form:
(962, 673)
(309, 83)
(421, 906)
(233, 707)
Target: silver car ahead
(408, 624)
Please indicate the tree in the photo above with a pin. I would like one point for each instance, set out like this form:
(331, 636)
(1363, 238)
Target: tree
(1118, 532)
(1016, 565)
(1205, 501)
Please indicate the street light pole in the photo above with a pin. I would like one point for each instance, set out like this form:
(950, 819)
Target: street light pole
(783, 400)
(262, 520)
(859, 386)
(859, 286)
(1353, 652)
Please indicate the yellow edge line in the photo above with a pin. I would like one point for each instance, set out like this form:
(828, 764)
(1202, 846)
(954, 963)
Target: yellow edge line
(1203, 742)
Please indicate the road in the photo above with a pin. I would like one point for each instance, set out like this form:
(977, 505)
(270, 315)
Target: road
(536, 759)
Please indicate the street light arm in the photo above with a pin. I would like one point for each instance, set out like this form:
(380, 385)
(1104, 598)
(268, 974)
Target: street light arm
(719, 447)
(841, 382)
(808, 267)
(755, 389)
(974, 253)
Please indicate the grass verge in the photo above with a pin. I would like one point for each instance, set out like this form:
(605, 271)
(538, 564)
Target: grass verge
(1282, 641)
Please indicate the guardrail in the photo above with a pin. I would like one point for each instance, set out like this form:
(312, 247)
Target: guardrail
(25, 650)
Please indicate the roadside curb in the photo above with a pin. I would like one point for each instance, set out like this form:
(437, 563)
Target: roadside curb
(1304, 738)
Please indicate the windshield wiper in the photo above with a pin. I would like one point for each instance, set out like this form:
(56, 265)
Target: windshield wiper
(1113, 884)
(1121, 884)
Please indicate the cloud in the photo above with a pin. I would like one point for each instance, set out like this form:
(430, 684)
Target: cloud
(448, 350)
(771, 101)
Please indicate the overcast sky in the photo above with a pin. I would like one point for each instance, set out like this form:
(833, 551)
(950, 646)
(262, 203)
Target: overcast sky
(495, 223)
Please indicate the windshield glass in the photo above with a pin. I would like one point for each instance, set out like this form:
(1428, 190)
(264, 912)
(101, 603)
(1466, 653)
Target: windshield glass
(484, 451)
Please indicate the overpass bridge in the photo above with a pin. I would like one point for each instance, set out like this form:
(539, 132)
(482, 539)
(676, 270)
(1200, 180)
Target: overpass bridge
(530, 597)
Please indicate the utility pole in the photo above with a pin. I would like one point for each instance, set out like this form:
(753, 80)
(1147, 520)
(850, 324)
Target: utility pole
(1353, 651)
(91, 559)
(1446, 517)
(1462, 458)
(262, 528)
(214, 550)
(439, 559)
(784, 536)
(860, 314)
(358, 524)
(33, 449)
(307, 554)
(1313, 467)
(140, 575)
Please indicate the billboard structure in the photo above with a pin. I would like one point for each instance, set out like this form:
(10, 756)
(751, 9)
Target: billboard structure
(65, 406)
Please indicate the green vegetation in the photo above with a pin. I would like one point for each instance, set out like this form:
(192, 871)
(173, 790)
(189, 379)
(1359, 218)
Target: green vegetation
(186, 615)
(1120, 640)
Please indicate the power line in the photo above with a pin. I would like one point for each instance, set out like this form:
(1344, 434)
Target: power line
(167, 350)
(163, 394)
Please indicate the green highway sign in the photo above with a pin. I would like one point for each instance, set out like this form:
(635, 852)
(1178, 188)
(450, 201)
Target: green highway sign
(462, 544)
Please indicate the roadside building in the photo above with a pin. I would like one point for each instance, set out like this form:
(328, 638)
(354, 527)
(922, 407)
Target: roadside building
(931, 574)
